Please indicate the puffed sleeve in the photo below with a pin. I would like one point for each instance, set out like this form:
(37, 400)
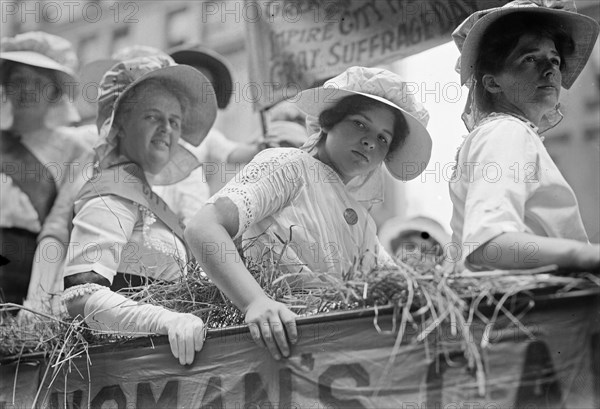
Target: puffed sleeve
(266, 185)
(101, 230)
(499, 185)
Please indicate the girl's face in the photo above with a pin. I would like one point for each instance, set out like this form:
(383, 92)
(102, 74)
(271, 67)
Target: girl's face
(31, 91)
(359, 143)
(530, 82)
(150, 131)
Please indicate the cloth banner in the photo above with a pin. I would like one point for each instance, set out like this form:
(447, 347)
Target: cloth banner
(550, 360)
(298, 44)
(19, 384)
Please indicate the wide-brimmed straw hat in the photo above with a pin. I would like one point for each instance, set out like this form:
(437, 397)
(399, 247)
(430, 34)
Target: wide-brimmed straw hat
(195, 56)
(200, 57)
(582, 29)
(40, 49)
(93, 71)
(51, 52)
(199, 113)
(409, 159)
(397, 227)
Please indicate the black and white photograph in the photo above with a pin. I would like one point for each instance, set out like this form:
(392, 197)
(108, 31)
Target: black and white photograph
(287, 204)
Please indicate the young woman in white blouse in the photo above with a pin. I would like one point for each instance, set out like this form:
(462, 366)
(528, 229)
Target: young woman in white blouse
(317, 197)
(513, 209)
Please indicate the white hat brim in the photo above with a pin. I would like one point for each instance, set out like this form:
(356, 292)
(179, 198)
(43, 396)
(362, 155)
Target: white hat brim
(37, 60)
(410, 159)
(182, 162)
(584, 31)
(202, 110)
(394, 227)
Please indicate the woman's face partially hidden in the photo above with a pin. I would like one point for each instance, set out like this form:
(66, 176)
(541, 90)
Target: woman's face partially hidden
(359, 143)
(31, 91)
(529, 84)
(150, 131)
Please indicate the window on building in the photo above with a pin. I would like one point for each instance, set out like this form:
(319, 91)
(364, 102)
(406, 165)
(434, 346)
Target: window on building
(88, 49)
(120, 39)
(592, 135)
(181, 26)
(555, 144)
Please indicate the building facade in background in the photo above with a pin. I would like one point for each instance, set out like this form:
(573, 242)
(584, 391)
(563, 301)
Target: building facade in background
(98, 28)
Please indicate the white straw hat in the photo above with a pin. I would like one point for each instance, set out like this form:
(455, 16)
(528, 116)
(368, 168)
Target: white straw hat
(199, 114)
(412, 157)
(396, 227)
(582, 29)
(40, 49)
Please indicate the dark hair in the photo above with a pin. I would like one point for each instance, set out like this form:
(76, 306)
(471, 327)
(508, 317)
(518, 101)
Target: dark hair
(501, 38)
(163, 84)
(355, 104)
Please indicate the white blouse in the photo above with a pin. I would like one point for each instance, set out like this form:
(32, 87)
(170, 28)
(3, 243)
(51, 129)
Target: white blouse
(505, 181)
(111, 234)
(294, 204)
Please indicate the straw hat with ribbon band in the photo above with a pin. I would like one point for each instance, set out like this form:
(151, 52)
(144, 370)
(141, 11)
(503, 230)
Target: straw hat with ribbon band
(411, 158)
(582, 29)
(43, 50)
(199, 114)
(203, 58)
(92, 72)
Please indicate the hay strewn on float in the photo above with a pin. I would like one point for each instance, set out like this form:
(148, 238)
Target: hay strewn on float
(424, 292)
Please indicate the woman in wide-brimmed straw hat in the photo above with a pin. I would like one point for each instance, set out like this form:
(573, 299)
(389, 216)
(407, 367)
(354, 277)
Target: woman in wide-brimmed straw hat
(314, 198)
(216, 150)
(145, 107)
(38, 156)
(512, 207)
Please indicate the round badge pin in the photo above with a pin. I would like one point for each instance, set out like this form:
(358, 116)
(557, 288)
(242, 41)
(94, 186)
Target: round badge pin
(350, 216)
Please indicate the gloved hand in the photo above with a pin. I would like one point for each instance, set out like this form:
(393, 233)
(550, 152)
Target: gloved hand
(110, 312)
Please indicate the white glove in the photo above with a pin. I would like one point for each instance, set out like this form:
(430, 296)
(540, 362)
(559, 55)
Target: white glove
(110, 312)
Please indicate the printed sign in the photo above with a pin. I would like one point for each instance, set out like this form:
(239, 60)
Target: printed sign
(299, 44)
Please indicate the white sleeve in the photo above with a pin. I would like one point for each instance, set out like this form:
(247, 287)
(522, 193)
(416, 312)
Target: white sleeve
(101, 231)
(497, 189)
(266, 185)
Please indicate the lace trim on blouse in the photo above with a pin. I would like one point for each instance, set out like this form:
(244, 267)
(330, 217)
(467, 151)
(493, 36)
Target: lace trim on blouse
(80, 290)
(152, 242)
(527, 122)
(251, 173)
